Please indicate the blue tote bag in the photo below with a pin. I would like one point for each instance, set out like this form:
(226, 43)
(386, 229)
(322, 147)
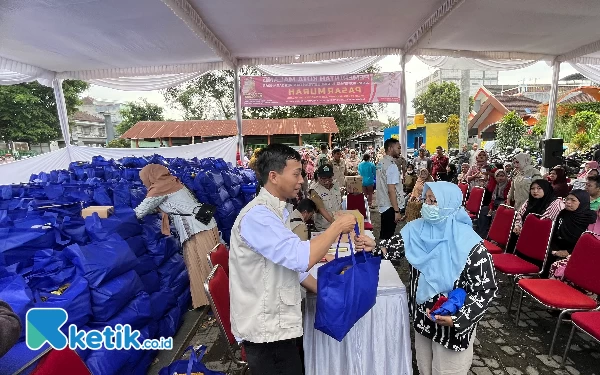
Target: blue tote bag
(192, 366)
(345, 294)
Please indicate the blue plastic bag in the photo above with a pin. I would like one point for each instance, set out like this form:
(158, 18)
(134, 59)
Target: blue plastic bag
(123, 223)
(181, 282)
(170, 323)
(108, 362)
(138, 245)
(345, 295)
(121, 194)
(456, 300)
(146, 263)
(151, 282)
(161, 302)
(74, 227)
(184, 300)
(112, 295)
(100, 261)
(192, 366)
(169, 271)
(102, 196)
(137, 314)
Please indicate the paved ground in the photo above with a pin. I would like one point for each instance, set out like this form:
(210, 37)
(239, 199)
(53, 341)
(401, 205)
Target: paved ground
(501, 347)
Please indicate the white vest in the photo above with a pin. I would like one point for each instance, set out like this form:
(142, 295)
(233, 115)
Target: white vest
(332, 199)
(383, 198)
(265, 297)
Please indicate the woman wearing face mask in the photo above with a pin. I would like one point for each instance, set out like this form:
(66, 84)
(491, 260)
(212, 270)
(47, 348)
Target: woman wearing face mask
(445, 254)
(524, 174)
(558, 179)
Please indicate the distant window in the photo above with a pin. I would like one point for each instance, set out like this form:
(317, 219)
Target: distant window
(149, 140)
(477, 105)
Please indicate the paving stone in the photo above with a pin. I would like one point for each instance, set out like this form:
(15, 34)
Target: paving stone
(513, 371)
(499, 372)
(548, 361)
(532, 315)
(522, 323)
(500, 340)
(478, 362)
(596, 355)
(532, 323)
(492, 310)
(490, 362)
(535, 338)
(502, 309)
(585, 337)
(561, 372)
(502, 332)
(476, 342)
(496, 324)
(572, 370)
(531, 371)
(525, 309)
(508, 350)
(482, 371)
(575, 348)
(484, 324)
(544, 314)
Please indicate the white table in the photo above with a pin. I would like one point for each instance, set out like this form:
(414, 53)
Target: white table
(378, 344)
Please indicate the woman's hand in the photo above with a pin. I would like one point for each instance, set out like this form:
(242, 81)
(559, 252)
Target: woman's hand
(441, 320)
(517, 230)
(364, 242)
(561, 253)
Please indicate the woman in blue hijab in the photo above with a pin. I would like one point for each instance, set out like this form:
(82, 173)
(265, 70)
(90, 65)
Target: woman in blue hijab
(445, 255)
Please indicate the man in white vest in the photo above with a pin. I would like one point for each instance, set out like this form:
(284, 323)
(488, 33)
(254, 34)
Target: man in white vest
(267, 263)
(327, 195)
(390, 192)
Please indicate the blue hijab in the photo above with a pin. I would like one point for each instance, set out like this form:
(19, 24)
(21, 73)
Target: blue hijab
(440, 251)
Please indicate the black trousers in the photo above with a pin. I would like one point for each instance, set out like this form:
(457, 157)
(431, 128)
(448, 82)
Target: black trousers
(388, 224)
(274, 358)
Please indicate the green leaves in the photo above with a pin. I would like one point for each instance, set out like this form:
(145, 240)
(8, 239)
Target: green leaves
(510, 130)
(439, 102)
(135, 112)
(28, 111)
(453, 124)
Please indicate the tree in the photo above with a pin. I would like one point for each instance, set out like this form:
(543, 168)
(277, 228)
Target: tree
(211, 96)
(29, 112)
(510, 131)
(453, 123)
(439, 102)
(392, 122)
(135, 112)
(119, 143)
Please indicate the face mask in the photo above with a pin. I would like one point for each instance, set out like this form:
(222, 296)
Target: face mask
(431, 213)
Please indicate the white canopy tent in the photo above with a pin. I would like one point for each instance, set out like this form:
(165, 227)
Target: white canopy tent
(152, 44)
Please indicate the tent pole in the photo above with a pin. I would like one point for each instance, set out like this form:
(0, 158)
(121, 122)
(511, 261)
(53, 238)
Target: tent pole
(238, 110)
(402, 120)
(553, 98)
(465, 87)
(61, 107)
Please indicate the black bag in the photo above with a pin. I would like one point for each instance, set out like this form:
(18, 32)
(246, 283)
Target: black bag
(204, 215)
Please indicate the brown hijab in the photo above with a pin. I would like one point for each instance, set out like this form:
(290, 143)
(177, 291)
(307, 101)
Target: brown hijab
(159, 181)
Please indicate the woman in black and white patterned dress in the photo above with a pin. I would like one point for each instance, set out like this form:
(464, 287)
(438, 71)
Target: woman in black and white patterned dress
(445, 254)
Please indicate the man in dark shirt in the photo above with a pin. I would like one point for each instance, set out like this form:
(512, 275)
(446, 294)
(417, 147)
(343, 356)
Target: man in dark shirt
(440, 163)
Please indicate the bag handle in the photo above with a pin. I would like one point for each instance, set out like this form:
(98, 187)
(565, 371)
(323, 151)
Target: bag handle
(195, 357)
(337, 249)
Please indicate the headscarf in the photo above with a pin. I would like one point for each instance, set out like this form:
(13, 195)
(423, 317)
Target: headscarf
(500, 187)
(477, 163)
(420, 183)
(524, 161)
(539, 205)
(440, 251)
(588, 167)
(574, 223)
(560, 186)
(160, 182)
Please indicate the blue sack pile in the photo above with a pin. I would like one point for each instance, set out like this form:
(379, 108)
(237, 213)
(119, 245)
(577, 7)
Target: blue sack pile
(104, 272)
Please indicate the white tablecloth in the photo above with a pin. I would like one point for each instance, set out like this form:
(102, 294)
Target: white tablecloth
(378, 344)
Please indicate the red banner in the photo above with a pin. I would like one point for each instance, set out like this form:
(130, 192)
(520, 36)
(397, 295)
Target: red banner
(259, 91)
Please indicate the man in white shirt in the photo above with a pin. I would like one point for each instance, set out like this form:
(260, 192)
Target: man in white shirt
(390, 195)
(267, 261)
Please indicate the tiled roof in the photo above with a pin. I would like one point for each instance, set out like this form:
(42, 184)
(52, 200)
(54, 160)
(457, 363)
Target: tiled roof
(87, 100)
(519, 103)
(84, 116)
(221, 128)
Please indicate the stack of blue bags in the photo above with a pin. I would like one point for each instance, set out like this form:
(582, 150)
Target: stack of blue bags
(110, 271)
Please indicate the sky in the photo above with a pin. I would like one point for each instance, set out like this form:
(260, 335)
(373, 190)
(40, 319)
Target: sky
(540, 72)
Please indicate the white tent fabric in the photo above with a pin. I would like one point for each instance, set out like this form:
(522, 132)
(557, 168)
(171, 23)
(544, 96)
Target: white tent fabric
(590, 71)
(463, 63)
(20, 171)
(329, 67)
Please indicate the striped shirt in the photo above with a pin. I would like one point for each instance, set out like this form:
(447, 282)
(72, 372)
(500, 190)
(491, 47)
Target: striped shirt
(551, 212)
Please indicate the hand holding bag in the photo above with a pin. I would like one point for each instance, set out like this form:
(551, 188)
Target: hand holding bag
(345, 294)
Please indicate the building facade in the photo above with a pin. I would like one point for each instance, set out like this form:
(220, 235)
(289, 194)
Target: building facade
(478, 78)
(99, 108)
